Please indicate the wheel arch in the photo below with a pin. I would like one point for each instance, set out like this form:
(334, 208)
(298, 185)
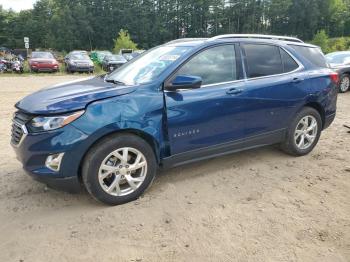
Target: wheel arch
(143, 135)
(319, 109)
(347, 72)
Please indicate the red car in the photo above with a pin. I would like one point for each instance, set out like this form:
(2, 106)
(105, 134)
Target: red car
(43, 62)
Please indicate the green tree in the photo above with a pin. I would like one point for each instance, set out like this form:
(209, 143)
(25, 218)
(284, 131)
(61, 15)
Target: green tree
(321, 39)
(123, 41)
(338, 44)
(91, 24)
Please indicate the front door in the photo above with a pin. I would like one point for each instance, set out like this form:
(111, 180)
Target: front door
(210, 115)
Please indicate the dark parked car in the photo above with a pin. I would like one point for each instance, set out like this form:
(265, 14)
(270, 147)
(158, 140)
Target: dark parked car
(130, 56)
(78, 61)
(98, 56)
(43, 62)
(181, 102)
(112, 62)
(340, 61)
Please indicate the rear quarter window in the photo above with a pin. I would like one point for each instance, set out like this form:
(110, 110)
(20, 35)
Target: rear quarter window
(289, 63)
(313, 54)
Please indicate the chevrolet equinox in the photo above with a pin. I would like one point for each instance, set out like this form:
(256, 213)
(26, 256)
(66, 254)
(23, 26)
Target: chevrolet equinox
(186, 100)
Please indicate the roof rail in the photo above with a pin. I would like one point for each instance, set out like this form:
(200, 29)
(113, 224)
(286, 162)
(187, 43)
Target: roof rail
(256, 36)
(183, 40)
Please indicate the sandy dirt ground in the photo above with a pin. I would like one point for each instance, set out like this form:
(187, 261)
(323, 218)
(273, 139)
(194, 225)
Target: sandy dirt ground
(259, 205)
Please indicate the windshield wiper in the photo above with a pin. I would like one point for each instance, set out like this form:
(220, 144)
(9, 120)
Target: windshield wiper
(115, 82)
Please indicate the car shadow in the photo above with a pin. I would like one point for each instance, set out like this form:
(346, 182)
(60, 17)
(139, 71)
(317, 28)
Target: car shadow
(55, 198)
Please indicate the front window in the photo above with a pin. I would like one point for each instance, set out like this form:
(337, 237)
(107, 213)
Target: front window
(214, 65)
(148, 66)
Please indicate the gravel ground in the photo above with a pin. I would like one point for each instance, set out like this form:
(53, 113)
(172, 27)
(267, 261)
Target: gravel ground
(259, 205)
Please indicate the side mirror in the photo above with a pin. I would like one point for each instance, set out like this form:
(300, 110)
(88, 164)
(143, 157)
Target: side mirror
(184, 82)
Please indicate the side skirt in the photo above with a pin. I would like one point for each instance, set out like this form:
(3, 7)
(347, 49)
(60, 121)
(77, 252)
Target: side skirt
(269, 138)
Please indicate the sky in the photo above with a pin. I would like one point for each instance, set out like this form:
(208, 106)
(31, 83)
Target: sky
(17, 5)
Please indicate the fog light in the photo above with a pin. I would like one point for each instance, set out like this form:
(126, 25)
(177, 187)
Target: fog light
(53, 162)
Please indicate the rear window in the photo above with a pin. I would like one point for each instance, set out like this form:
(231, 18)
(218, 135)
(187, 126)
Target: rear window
(262, 60)
(313, 54)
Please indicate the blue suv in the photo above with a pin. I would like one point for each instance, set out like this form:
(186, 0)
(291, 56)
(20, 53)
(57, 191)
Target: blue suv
(180, 102)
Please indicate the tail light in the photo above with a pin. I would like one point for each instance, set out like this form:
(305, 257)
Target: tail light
(334, 77)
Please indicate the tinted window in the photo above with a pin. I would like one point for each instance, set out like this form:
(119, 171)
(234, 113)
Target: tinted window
(214, 65)
(262, 60)
(289, 63)
(313, 54)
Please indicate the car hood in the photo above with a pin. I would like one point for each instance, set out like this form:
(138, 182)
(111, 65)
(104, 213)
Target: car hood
(42, 60)
(71, 96)
(81, 61)
(116, 62)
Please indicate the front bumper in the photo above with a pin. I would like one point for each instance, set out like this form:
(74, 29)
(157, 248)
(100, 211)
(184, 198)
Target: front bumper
(33, 150)
(81, 68)
(67, 184)
(112, 67)
(44, 68)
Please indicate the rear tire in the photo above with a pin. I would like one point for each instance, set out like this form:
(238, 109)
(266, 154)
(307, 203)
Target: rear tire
(119, 169)
(344, 83)
(303, 133)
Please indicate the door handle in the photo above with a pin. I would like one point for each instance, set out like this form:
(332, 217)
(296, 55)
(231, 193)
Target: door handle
(234, 91)
(297, 80)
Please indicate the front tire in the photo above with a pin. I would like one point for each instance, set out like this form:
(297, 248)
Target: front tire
(119, 169)
(344, 83)
(303, 133)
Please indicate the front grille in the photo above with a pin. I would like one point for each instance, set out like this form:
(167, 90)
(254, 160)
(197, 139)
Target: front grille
(18, 128)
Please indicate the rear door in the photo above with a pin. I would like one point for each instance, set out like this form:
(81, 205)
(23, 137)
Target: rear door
(273, 88)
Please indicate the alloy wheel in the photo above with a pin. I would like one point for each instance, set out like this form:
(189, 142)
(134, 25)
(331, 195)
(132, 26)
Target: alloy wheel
(345, 84)
(123, 171)
(306, 132)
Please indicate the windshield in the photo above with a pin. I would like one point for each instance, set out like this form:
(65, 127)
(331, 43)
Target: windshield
(80, 57)
(116, 58)
(42, 55)
(338, 58)
(103, 53)
(148, 66)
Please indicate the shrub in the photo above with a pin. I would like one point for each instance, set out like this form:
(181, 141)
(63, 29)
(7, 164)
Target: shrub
(123, 41)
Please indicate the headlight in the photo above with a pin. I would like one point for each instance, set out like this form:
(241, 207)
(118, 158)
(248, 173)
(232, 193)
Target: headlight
(46, 123)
